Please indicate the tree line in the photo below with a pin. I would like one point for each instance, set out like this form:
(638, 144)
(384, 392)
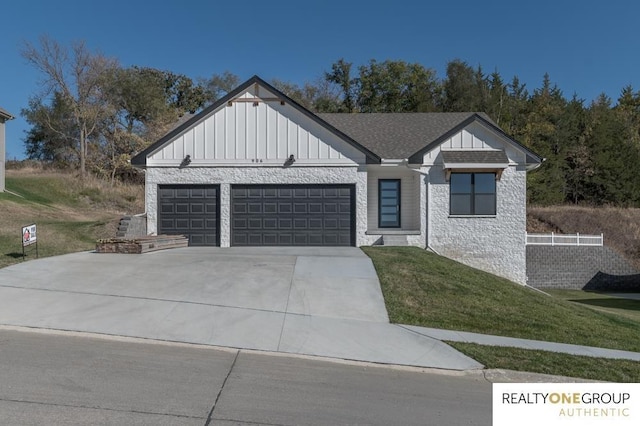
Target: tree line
(94, 115)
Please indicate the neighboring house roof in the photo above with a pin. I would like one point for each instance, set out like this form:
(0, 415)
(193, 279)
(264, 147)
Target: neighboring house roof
(379, 136)
(5, 114)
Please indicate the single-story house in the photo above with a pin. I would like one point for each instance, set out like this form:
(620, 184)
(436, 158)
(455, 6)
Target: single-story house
(4, 116)
(258, 169)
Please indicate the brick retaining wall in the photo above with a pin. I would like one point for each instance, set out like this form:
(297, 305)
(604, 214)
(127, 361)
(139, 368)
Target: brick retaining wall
(578, 267)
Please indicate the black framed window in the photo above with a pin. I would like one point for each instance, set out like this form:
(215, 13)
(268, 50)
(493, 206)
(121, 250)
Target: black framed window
(389, 203)
(472, 194)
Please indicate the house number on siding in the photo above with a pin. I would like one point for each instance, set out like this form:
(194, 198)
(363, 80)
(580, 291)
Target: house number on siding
(256, 160)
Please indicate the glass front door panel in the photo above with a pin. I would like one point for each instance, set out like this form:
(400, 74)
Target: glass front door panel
(389, 203)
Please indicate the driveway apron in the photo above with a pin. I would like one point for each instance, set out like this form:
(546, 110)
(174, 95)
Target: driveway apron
(303, 300)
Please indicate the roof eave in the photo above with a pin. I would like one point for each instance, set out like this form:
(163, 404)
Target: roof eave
(5, 115)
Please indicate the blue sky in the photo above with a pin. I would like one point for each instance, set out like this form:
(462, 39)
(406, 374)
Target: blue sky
(588, 47)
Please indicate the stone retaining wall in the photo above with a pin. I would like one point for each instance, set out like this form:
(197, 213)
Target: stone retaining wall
(580, 267)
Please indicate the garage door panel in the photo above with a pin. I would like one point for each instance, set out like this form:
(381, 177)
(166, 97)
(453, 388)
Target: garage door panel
(254, 208)
(306, 215)
(330, 208)
(315, 223)
(240, 223)
(330, 223)
(239, 193)
(211, 209)
(266, 193)
(285, 239)
(286, 223)
(315, 192)
(255, 223)
(197, 239)
(181, 208)
(344, 192)
(315, 208)
(182, 193)
(197, 224)
(331, 239)
(167, 208)
(300, 208)
(196, 208)
(239, 208)
(255, 239)
(190, 210)
(285, 208)
(182, 224)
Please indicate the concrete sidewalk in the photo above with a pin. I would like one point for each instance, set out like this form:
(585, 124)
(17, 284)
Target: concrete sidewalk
(485, 339)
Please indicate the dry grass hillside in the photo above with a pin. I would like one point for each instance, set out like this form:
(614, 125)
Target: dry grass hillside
(620, 226)
(71, 213)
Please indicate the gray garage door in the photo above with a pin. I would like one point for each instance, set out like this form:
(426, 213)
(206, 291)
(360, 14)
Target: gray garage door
(191, 210)
(293, 215)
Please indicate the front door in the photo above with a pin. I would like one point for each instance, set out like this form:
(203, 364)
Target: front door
(389, 203)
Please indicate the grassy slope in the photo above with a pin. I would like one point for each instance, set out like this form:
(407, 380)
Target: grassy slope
(558, 364)
(421, 288)
(70, 213)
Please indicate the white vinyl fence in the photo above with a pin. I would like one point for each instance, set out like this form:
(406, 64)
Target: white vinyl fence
(554, 239)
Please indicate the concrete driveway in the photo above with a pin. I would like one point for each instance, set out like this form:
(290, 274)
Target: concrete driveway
(313, 301)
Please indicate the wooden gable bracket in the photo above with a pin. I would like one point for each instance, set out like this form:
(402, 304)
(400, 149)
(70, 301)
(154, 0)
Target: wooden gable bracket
(497, 171)
(256, 100)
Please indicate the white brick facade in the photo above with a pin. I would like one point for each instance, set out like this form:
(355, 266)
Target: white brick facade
(493, 244)
(227, 176)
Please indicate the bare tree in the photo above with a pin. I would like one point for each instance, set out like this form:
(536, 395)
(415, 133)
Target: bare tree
(75, 74)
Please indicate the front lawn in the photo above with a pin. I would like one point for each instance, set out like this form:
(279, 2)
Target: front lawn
(424, 289)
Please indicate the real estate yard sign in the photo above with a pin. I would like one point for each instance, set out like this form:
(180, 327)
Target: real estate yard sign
(29, 237)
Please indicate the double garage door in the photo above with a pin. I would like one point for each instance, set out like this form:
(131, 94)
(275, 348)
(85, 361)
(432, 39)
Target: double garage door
(261, 215)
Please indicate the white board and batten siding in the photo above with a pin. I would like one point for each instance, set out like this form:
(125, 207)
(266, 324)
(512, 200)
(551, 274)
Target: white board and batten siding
(475, 137)
(265, 133)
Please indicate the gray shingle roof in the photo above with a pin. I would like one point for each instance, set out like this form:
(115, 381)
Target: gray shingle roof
(396, 135)
(479, 157)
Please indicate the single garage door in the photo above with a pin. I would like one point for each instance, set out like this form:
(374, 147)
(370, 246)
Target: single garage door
(190, 210)
(293, 215)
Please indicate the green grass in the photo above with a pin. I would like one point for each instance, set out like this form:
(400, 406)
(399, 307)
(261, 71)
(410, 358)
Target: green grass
(421, 288)
(601, 369)
(424, 289)
(602, 302)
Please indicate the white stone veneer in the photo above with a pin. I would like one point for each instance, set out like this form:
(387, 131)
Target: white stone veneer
(493, 244)
(227, 176)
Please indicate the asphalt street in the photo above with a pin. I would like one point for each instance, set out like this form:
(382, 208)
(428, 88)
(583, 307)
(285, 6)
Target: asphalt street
(56, 378)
